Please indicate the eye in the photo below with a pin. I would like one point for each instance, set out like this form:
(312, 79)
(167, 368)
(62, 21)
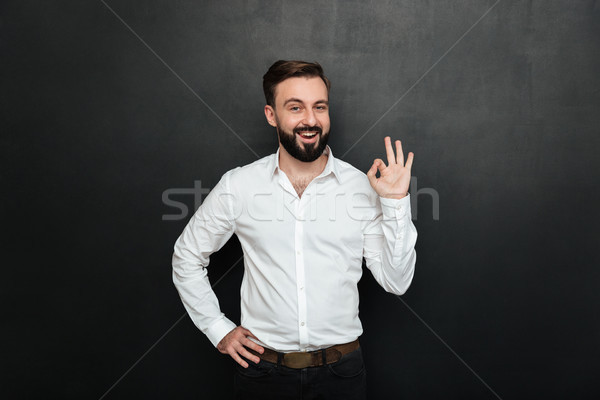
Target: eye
(294, 108)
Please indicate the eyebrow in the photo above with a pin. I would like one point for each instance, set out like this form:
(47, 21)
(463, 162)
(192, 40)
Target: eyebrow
(295, 100)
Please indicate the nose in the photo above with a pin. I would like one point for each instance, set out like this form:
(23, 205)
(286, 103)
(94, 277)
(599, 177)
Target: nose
(309, 117)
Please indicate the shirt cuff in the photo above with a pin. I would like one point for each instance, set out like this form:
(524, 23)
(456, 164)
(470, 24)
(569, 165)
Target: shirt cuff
(395, 208)
(218, 330)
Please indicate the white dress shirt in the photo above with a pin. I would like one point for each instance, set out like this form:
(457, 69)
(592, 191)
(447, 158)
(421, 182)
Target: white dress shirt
(302, 255)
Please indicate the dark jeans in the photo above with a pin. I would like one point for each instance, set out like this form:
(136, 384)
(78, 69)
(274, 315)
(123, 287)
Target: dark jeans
(345, 379)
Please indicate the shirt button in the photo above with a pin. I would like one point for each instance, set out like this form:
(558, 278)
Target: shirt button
(398, 207)
(302, 323)
(298, 252)
(302, 288)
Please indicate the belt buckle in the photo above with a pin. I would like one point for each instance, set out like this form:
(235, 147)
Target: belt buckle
(297, 359)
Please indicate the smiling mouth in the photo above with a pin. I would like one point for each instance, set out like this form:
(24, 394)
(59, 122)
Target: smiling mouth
(307, 134)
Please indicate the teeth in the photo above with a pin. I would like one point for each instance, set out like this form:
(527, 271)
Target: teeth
(308, 134)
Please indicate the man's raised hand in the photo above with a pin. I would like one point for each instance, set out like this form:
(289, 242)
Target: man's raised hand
(233, 344)
(394, 180)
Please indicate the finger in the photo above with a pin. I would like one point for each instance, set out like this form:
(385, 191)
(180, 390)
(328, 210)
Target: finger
(399, 153)
(380, 165)
(238, 359)
(250, 343)
(244, 352)
(371, 172)
(254, 346)
(389, 151)
(409, 160)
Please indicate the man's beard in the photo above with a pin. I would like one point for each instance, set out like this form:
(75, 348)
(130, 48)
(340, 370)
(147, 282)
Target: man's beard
(311, 151)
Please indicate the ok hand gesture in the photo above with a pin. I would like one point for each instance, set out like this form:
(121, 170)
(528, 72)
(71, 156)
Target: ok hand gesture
(394, 180)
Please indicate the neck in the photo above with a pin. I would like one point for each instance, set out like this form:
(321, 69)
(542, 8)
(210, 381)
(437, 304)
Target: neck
(296, 168)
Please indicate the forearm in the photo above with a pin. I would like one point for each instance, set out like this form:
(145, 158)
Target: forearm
(390, 254)
(207, 231)
(202, 305)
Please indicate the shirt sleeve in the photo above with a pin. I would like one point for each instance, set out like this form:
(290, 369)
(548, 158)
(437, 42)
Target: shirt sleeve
(207, 231)
(389, 244)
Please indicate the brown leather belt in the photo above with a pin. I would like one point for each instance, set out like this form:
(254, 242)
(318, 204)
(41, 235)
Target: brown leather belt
(302, 359)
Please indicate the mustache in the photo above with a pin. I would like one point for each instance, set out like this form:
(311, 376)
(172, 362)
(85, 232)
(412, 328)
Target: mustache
(309, 129)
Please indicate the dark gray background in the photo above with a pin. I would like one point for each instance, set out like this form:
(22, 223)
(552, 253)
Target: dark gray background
(504, 128)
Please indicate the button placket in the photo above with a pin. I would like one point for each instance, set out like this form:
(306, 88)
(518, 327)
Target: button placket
(300, 274)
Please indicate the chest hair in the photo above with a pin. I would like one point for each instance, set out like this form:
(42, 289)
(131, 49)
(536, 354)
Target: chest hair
(300, 184)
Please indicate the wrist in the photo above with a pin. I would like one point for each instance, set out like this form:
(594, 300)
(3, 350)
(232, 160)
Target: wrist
(396, 196)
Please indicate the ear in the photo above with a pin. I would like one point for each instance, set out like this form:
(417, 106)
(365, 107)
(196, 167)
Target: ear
(270, 114)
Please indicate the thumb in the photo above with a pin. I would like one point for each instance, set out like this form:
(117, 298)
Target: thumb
(248, 333)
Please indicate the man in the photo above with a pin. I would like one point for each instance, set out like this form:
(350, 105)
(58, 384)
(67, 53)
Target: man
(305, 220)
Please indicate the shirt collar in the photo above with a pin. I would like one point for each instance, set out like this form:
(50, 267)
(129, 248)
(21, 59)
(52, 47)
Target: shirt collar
(330, 167)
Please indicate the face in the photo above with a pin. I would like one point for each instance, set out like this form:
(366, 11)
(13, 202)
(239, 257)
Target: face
(301, 116)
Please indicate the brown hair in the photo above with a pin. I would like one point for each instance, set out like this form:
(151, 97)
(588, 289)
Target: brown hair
(282, 70)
